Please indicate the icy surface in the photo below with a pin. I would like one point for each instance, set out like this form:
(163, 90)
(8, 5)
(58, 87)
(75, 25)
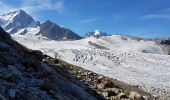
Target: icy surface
(140, 63)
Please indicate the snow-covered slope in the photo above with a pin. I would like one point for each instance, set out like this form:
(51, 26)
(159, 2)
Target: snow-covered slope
(135, 62)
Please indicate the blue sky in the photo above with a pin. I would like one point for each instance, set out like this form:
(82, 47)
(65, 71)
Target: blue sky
(146, 18)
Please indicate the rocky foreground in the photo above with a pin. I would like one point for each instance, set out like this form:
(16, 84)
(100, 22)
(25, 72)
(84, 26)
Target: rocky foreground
(30, 75)
(105, 87)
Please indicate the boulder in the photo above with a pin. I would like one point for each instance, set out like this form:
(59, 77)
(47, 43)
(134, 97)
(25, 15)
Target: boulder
(101, 86)
(112, 91)
(135, 96)
(2, 97)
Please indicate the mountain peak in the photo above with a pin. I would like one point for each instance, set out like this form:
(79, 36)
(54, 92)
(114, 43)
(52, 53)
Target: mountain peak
(95, 33)
(20, 11)
(53, 31)
(48, 22)
(16, 20)
(16, 12)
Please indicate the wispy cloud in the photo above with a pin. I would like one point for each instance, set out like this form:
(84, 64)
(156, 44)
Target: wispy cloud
(84, 21)
(161, 14)
(167, 9)
(33, 6)
(5, 8)
(59, 7)
(39, 5)
(156, 16)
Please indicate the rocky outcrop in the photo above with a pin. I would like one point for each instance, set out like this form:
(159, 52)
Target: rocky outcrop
(165, 44)
(97, 46)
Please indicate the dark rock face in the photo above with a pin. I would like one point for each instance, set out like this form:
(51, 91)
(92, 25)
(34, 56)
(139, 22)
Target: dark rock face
(23, 75)
(3, 34)
(21, 20)
(55, 32)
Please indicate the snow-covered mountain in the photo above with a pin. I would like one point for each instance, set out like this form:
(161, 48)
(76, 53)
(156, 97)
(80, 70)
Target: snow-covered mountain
(95, 33)
(19, 23)
(14, 21)
(53, 31)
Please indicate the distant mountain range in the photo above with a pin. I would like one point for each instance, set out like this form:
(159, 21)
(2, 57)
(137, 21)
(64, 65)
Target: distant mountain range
(97, 33)
(20, 23)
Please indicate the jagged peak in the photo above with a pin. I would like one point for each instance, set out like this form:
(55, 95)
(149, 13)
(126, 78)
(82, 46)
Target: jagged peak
(48, 21)
(11, 15)
(15, 12)
(95, 33)
(21, 12)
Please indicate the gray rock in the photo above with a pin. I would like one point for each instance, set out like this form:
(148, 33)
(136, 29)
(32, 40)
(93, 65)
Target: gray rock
(114, 98)
(105, 94)
(122, 95)
(112, 90)
(36, 82)
(2, 97)
(32, 93)
(4, 47)
(100, 77)
(12, 93)
(2, 90)
(101, 86)
(14, 70)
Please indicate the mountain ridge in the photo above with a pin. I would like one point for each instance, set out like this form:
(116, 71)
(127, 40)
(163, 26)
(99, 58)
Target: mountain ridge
(55, 32)
(19, 22)
(95, 33)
